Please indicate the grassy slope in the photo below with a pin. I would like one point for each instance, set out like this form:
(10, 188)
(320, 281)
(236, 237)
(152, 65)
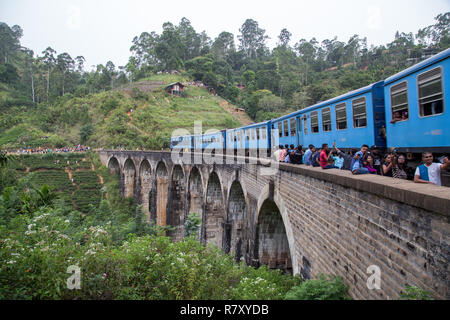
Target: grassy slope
(155, 116)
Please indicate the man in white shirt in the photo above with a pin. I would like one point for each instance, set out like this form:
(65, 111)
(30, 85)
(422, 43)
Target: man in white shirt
(430, 172)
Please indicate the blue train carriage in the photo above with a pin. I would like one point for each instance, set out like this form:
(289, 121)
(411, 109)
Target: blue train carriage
(352, 119)
(181, 142)
(214, 140)
(255, 137)
(416, 102)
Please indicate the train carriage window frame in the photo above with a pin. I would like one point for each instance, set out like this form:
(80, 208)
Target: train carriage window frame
(252, 134)
(293, 127)
(305, 125)
(264, 133)
(326, 124)
(431, 79)
(340, 120)
(257, 133)
(357, 103)
(314, 114)
(400, 89)
(280, 129)
(286, 128)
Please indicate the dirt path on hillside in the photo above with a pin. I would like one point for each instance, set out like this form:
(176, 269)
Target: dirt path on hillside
(240, 116)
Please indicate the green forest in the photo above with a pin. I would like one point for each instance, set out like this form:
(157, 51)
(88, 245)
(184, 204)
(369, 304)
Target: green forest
(48, 99)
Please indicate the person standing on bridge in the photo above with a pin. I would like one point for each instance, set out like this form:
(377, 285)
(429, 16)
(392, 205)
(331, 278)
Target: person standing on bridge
(430, 172)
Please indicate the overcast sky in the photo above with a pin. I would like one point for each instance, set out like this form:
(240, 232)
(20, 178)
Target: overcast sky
(102, 30)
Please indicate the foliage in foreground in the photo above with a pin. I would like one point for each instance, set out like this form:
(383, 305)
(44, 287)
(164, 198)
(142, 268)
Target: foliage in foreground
(415, 293)
(322, 288)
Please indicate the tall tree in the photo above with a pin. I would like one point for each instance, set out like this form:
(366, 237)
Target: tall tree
(252, 39)
(9, 41)
(49, 61)
(190, 40)
(223, 45)
(65, 65)
(284, 38)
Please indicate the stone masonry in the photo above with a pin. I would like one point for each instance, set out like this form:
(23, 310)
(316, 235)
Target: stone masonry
(303, 220)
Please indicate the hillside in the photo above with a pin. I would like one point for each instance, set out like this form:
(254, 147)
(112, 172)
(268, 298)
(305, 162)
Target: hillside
(138, 115)
(73, 177)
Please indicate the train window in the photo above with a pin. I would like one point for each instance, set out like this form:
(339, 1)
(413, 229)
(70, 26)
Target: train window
(252, 131)
(305, 125)
(431, 98)
(257, 133)
(264, 135)
(293, 130)
(280, 129)
(399, 101)
(286, 128)
(314, 122)
(326, 119)
(359, 113)
(341, 116)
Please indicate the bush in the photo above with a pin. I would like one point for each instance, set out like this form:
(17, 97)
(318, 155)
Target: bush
(323, 288)
(415, 293)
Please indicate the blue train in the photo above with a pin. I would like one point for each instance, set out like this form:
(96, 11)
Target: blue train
(405, 112)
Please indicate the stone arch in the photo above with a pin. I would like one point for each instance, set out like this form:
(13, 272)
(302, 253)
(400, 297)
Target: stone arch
(145, 178)
(271, 243)
(195, 193)
(162, 186)
(267, 194)
(129, 177)
(113, 165)
(215, 215)
(177, 195)
(234, 233)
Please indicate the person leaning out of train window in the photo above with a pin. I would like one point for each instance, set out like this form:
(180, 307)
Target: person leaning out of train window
(386, 168)
(357, 161)
(399, 167)
(308, 155)
(397, 117)
(430, 172)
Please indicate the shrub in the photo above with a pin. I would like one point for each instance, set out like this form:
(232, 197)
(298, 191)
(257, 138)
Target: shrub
(322, 288)
(415, 293)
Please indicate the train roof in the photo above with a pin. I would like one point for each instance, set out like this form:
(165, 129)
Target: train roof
(421, 65)
(345, 96)
(253, 125)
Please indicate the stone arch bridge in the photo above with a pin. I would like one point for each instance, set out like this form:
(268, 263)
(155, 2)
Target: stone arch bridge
(300, 219)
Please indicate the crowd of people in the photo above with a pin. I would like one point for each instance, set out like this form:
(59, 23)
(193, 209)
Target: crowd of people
(40, 150)
(365, 161)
